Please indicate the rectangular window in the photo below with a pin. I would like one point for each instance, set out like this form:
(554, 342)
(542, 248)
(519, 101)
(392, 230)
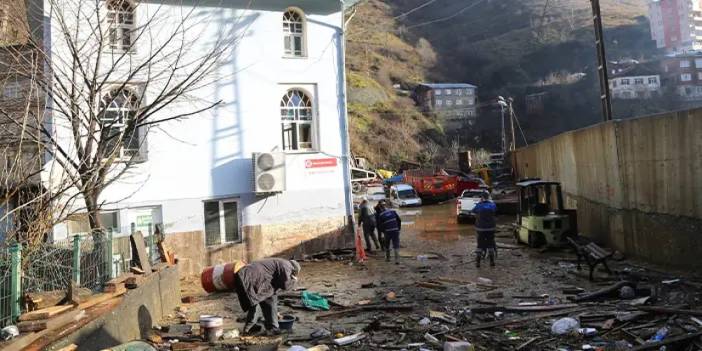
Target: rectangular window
(638, 81)
(459, 102)
(449, 102)
(439, 102)
(447, 91)
(459, 92)
(293, 37)
(625, 81)
(686, 77)
(699, 75)
(11, 91)
(221, 222)
(653, 80)
(437, 92)
(684, 63)
(469, 91)
(698, 62)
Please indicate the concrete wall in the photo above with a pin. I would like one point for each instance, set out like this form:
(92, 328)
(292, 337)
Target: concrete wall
(637, 184)
(140, 309)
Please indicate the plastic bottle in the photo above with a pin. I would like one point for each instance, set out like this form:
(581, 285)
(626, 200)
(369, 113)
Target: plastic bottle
(660, 334)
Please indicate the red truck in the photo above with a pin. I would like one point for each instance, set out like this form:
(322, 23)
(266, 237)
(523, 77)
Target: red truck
(431, 185)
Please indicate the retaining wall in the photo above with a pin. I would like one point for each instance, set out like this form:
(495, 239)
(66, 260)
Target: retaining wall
(637, 184)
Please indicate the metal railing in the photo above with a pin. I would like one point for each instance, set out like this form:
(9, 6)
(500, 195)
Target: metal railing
(88, 261)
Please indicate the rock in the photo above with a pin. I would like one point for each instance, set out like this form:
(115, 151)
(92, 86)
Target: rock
(564, 326)
(232, 334)
(424, 321)
(626, 293)
(458, 346)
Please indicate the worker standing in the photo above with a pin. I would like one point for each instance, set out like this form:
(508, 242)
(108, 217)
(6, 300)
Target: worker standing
(366, 218)
(381, 236)
(390, 224)
(258, 283)
(485, 211)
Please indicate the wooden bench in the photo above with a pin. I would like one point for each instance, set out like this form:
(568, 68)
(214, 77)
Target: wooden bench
(593, 255)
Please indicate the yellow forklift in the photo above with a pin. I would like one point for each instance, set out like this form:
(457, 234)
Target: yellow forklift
(541, 218)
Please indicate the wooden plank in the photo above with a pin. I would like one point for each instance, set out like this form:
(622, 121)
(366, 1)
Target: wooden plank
(166, 254)
(542, 308)
(101, 298)
(59, 321)
(71, 347)
(31, 326)
(429, 285)
(44, 313)
(389, 307)
(524, 319)
(657, 309)
(137, 240)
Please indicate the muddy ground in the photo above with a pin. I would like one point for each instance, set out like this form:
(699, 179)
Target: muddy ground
(520, 276)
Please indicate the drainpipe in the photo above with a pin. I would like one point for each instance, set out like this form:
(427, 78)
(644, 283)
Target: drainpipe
(343, 110)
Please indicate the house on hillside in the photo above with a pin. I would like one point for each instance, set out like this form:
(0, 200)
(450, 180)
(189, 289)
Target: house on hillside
(454, 103)
(265, 172)
(639, 81)
(683, 74)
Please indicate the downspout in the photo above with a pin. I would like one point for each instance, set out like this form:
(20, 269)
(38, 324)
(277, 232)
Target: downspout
(343, 110)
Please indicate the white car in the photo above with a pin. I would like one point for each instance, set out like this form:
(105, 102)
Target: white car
(466, 202)
(403, 195)
(375, 193)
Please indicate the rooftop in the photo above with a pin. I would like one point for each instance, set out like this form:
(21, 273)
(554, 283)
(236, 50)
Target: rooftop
(447, 85)
(642, 69)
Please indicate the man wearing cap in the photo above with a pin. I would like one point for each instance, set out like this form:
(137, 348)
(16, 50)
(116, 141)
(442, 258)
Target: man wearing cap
(485, 211)
(258, 283)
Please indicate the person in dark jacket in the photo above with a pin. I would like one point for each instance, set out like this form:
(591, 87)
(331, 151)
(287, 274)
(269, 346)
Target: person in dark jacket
(381, 236)
(390, 224)
(366, 218)
(258, 283)
(485, 211)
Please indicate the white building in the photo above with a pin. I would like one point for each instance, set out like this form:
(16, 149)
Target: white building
(676, 25)
(282, 91)
(635, 82)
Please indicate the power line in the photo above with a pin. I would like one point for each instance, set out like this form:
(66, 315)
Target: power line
(448, 17)
(415, 9)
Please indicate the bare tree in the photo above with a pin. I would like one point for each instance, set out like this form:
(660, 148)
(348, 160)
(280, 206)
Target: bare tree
(113, 71)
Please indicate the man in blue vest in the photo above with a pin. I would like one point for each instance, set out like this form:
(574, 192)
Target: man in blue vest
(485, 211)
(389, 224)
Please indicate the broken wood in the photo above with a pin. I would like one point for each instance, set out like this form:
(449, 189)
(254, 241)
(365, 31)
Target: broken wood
(657, 309)
(98, 299)
(604, 292)
(167, 255)
(71, 347)
(115, 284)
(523, 319)
(435, 286)
(667, 341)
(132, 282)
(529, 342)
(542, 308)
(57, 322)
(137, 240)
(454, 280)
(31, 326)
(136, 270)
(45, 313)
(40, 300)
(349, 339)
(389, 307)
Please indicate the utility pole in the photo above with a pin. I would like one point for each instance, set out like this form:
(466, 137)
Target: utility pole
(503, 104)
(605, 97)
(513, 145)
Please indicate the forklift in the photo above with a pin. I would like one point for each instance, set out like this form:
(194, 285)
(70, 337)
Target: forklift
(541, 218)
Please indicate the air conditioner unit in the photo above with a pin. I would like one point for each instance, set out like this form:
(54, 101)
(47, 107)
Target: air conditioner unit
(269, 172)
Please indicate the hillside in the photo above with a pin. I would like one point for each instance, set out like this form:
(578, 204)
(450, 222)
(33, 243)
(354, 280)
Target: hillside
(506, 47)
(385, 126)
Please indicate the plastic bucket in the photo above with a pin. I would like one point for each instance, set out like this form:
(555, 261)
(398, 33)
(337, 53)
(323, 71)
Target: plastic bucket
(286, 322)
(220, 277)
(211, 327)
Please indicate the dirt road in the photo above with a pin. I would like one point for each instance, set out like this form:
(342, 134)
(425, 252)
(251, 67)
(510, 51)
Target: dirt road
(520, 274)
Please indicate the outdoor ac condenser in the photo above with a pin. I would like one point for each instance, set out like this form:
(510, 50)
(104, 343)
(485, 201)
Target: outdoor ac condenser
(269, 172)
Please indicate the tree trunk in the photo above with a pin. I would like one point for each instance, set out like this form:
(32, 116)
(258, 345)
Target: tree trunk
(94, 220)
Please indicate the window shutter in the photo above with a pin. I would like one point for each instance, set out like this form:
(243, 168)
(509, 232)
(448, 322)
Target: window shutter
(231, 222)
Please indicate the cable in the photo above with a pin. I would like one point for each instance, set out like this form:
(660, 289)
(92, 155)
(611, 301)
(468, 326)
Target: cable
(415, 9)
(514, 114)
(448, 17)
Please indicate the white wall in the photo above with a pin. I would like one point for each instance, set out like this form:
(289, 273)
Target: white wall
(209, 155)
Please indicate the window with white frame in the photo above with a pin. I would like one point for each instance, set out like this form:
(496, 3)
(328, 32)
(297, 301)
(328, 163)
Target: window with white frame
(125, 141)
(625, 81)
(698, 62)
(222, 222)
(449, 102)
(437, 92)
(120, 24)
(684, 63)
(638, 81)
(439, 102)
(459, 102)
(459, 92)
(447, 91)
(11, 90)
(686, 77)
(652, 80)
(294, 34)
(297, 118)
(699, 75)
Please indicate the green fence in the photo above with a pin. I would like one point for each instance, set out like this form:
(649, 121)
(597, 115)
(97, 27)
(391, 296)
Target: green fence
(89, 261)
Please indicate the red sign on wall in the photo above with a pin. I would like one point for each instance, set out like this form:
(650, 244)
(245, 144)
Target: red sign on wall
(320, 162)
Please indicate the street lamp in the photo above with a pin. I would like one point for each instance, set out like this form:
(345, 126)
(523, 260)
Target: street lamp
(503, 104)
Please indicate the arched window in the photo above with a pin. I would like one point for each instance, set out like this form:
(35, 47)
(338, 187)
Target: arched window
(118, 120)
(297, 118)
(120, 21)
(294, 33)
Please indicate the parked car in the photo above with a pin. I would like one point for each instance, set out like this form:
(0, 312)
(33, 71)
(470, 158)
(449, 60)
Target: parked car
(403, 195)
(466, 202)
(375, 193)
